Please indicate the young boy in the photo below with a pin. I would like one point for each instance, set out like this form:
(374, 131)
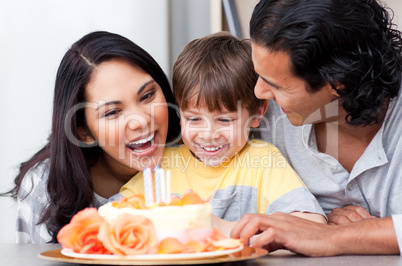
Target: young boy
(213, 82)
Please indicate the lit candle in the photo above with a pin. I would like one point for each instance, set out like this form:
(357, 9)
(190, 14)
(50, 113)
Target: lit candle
(148, 187)
(168, 184)
(163, 185)
(157, 185)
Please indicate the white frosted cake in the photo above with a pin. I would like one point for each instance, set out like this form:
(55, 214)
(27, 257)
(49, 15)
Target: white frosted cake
(130, 227)
(166, 218)
(187, 222)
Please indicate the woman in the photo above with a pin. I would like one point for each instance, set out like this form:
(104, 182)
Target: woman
(110, 120)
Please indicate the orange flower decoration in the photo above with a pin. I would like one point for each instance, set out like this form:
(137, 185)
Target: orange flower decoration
(129, 235)
(191, 198)
(188, 199)
(81, 233)
(216, 241)
(136, 202)
(172, 245)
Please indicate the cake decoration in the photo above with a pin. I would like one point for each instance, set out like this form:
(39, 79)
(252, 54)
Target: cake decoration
(135, 225)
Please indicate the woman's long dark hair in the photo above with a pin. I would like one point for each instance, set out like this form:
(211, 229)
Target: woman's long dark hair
(69, 186)
(352, 42)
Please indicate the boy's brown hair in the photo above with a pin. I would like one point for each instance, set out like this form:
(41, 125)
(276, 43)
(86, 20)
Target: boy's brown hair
(218, 70)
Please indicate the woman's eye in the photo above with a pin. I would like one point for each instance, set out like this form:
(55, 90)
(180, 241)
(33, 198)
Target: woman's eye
(148, 95)
(111, 113)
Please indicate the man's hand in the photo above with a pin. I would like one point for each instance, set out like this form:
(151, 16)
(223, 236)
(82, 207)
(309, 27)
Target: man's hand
(281, 230)
(348, 214)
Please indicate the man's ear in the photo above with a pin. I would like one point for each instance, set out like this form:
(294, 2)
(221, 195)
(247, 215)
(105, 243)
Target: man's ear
(338, 86)
(259, 114)
(85, 136)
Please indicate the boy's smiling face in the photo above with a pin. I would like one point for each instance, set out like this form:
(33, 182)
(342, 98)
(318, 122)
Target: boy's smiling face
(216, 137)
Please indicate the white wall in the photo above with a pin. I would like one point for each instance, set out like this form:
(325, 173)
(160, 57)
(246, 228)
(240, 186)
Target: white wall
(34, 37)
(190, 19)
(245, 9)
(396, 6)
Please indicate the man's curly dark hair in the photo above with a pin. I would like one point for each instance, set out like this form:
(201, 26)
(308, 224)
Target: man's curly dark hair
(351, 42)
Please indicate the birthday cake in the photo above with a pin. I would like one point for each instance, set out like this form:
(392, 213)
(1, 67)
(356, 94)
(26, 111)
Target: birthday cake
(130, 227)
(186, 219)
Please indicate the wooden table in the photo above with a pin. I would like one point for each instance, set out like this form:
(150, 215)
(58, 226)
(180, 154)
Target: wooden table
(27, 254)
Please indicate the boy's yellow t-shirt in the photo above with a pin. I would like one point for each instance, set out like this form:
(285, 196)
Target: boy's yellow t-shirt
(252, 180)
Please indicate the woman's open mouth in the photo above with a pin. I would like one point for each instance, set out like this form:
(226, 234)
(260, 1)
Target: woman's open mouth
(142, 145)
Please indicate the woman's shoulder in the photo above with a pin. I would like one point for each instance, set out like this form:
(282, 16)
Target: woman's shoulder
(35, 180)
(38, 171)
(32, 199)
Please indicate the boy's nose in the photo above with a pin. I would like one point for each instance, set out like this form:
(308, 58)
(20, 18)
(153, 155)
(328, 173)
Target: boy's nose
(210, 133)
(205, 134)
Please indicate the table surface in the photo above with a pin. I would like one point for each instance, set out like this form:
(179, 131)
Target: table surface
(27, 254)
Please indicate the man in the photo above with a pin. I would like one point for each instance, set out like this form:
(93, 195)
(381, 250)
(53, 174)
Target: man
(332, 70)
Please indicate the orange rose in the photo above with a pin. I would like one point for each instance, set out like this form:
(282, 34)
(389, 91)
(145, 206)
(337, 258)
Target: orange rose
(81, 233)
(129, 235)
